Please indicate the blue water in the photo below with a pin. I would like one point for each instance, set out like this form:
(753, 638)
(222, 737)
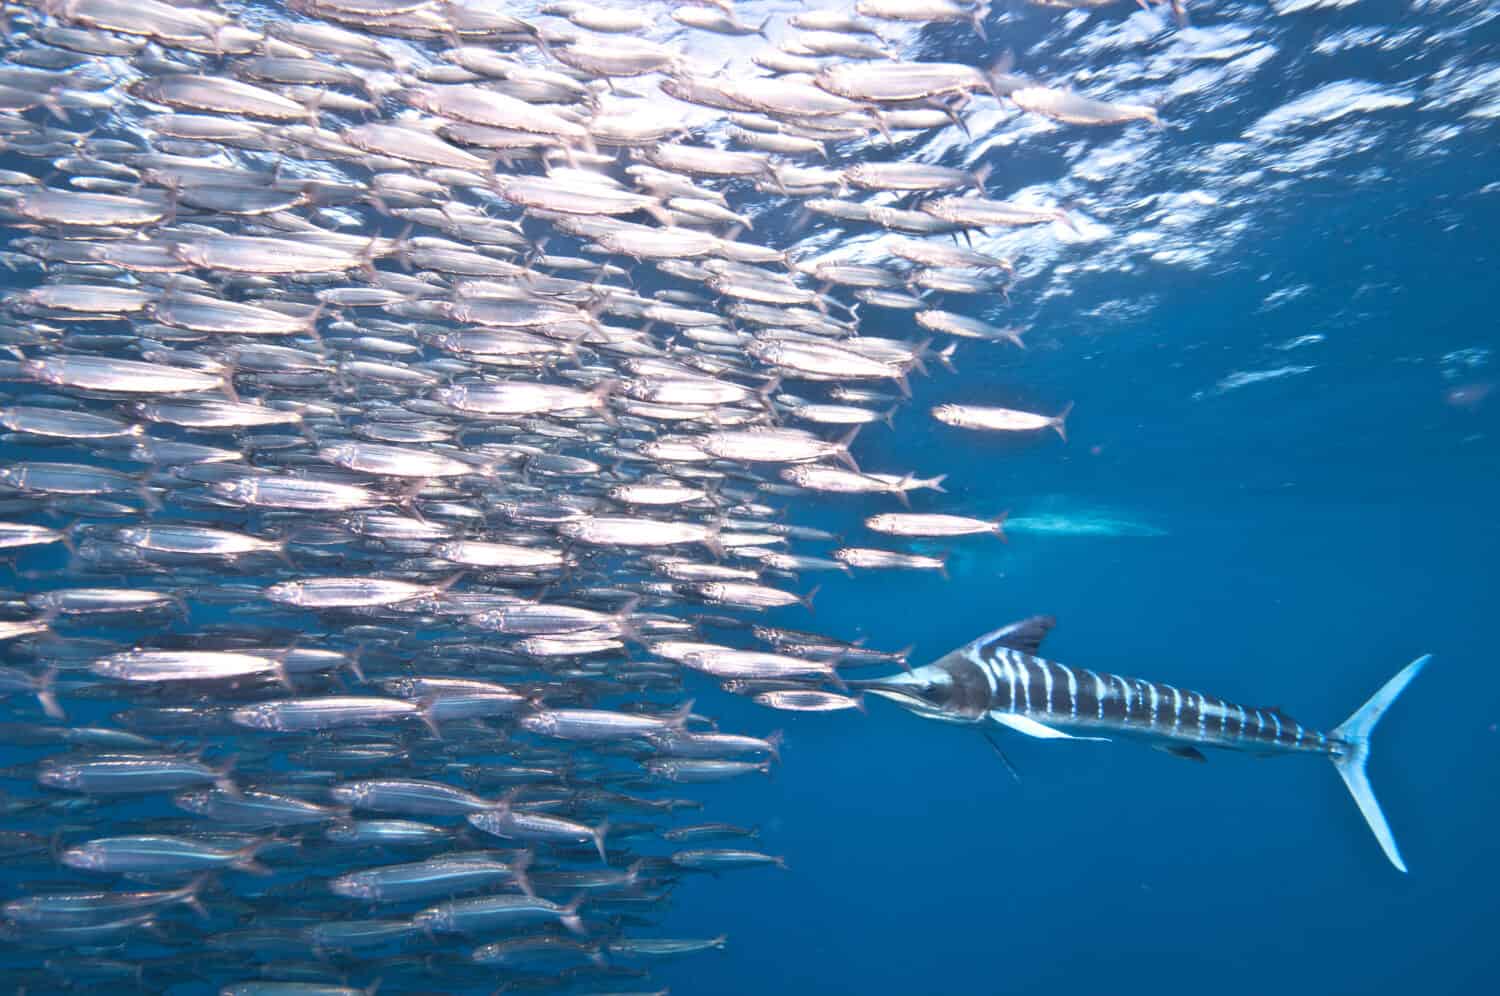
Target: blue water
(1317, 531)
(1280, 486)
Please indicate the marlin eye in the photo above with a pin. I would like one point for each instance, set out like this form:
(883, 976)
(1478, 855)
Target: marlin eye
(938, 693)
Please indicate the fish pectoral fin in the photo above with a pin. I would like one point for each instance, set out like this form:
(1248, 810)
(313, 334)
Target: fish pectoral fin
(1030, 727)
(1182, 750)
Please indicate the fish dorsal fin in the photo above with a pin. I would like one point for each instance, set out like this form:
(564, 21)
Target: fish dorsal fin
(1025, 636)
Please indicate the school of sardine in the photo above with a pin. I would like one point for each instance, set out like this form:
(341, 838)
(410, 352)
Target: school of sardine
(405, 421)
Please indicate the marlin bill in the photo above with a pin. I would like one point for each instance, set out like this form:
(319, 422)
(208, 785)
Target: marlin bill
(999, 677)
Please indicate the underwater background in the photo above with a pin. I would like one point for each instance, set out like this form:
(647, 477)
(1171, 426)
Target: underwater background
(1277, 323)
(1280, 486)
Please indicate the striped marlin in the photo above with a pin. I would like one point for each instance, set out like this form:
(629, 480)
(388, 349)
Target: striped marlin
(999, 677)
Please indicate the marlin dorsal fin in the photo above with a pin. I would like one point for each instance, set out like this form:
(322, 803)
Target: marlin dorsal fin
(1025, 636)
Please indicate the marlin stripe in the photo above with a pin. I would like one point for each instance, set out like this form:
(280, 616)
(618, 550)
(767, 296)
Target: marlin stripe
(1216, 713)
(1190, 712)
(1111, 707)
(988, 668)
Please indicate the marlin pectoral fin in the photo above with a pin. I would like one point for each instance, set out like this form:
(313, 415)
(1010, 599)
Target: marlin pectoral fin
(1182, 750)
(1030, 727)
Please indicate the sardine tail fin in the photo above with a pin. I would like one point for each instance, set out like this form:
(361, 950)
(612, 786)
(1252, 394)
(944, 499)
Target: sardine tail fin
(1354, 733)
(598, 834)
(520, 871)
(1059, 422)
(46, 695)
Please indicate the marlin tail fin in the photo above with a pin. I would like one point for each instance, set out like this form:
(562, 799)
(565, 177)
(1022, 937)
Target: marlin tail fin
(1354, 733)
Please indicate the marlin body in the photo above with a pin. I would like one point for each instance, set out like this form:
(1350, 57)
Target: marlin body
(1000, 678)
